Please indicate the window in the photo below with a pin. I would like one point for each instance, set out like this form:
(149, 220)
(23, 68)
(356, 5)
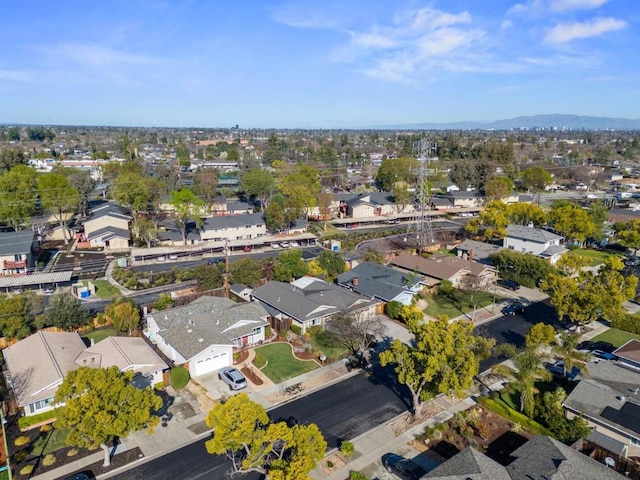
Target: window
(635, 441)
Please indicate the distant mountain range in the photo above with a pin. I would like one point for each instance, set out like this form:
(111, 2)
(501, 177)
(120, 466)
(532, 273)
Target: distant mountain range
(557, 121)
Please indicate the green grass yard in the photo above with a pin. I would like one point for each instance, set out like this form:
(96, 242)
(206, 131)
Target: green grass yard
(104, 289)
(439, 305)
(50, 443)
(615, 337)
(595, 257)
(282, 364)
(99, 335)
(333, 352)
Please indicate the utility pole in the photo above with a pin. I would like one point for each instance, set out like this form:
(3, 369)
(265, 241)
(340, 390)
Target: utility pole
(422, 228)
(226, 269)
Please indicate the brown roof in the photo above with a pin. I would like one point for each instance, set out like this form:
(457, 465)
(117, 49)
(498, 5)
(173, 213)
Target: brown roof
(439, 265)
(630, 350)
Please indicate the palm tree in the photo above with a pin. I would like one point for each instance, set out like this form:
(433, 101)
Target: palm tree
(528, 369)
(567, 349)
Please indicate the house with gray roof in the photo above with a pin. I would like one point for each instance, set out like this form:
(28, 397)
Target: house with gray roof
(17, 252)
(310, 301)
(107, 227)
(384, 283)
(540, 458)
(477, 251)
(233, 227)
(37, 365)
(537, 241)
(609, 400)
(203, 334)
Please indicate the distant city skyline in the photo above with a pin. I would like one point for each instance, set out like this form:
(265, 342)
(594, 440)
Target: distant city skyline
(315, 64)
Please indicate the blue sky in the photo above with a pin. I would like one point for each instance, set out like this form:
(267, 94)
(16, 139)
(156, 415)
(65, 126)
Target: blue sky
(320, 63)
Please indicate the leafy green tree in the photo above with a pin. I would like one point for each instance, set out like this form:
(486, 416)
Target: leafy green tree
(572, 222)
(205, 184)
(18, 190)
(332, 263)
(599, 214)
(59, 197)
(525, 213)
(374, 256)
(524, 268)
(567, 349)
(244, 433)
(628, 234)
(186, 205)
(394, 170)
(247, 271)
(571, 263)
(135, 192)
(15, 316)
(401, 196)
(165, 300)
(123, 314)
(535, 178)
(67, 312)
(442, 359)
(182, 154)
(100, 404)
(540, 336)
(10, 157)
(14, 134)
(147, 231)
(491, 223)
(259, 183)
(279, 213)
(290, 265)
(497, 188)
(301, 186)
(552, 412)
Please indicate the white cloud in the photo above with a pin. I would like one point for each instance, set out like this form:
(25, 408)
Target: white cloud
(506, 25)
(432, 18)
(373, 40)
(100, 56)
(530, 8)
(567, 32)
(565, 5)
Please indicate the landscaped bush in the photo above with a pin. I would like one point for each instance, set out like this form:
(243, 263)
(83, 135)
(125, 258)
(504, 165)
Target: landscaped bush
(267, 332)
(46, 428)
(26, 470)
(394, 308)
(346, 448)
(516, 417)
(627, 323)
(296, 329)
(327, 338)
(49, 459)
(432, 432)
(354, 475)
(179, 377)
(22, 440)
(260, 361)
(159, 386)
(26, 422)
(315, 330)
(72, 452)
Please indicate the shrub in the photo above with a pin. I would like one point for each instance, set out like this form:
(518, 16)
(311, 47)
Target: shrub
(267, 332)
(26, 470)
(516, 417)
(49, 459)
(46, 428)
(296, 329)
(159, 386)
(21, 440)
(179, 377)
(72, 452)
(346, 448)
(315, 330)
(627, 323)
(20, 456)
(26, 422)
(355, 475)
(329, 464)
(393, 309)
(260, 361)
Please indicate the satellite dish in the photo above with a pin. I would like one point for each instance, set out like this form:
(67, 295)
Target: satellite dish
(610, 462)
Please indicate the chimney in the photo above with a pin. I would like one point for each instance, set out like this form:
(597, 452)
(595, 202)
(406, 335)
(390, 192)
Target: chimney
(470, 254)
(530, 224)
(354, 281)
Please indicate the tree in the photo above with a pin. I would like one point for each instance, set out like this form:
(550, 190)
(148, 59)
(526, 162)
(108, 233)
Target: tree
(491, 223)
(497, 188)
(540, 336)
(100, 404)
(332, 263)
(10, 157)
(182, 154)
(247, 271)
(535, 178)
(524, 268)
(186, 205)
(290, 265)
(526, 213)
(394, 170)
(374, 256)
(442, 359)
(401, 196)
(551, 410)
(628, 234)
(147, 231)
(279, 213)
(60, 197)
(567, 349)
(571, 263)
(572, 222)
(205, 184)
(599, 214)
(135, 192)
(357, 332)
(245, 435)
(123, 314)
(18, 196)
(84, 184)
(259, 183)
(15, 316)
(301, 186)
(67, 312)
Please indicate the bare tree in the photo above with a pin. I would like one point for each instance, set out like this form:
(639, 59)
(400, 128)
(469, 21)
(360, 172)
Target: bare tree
(357, 331)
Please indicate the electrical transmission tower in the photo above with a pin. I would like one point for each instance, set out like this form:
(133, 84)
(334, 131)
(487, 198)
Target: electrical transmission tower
(422, 227)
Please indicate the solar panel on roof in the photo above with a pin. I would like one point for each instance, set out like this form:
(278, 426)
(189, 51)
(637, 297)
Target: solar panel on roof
(628, 416)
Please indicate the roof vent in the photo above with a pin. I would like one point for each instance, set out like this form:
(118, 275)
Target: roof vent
(189, 330)
(622, 398)
(201, 340)
(530, 225)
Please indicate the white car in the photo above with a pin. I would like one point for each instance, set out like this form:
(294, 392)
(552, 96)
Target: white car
(294, 244)
(284, 244)
(173, 257)
(275, 245)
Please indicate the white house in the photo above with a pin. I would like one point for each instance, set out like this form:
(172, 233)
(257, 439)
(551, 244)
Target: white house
(203, 334)
(533, 240)
(234, 227)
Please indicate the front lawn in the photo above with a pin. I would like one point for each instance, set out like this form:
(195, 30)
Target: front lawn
(105, 290)
(615, 337)
(281, 362)
(596, 257)
(55, 440)
(334, 351)
(441, 305)
(99, 335)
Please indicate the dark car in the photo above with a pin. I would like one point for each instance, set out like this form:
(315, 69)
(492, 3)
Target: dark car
(215, 261)
(233, 378)
(404, 468)
(602, 354)
(513, 309)
(509, 284)
(81, 476)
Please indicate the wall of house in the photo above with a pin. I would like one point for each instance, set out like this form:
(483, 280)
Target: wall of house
(104, 221)
(154, 334)
(526, 246)
(633, 445)
(236, 233)
(256, 337)
(114, 243)
(38, 407)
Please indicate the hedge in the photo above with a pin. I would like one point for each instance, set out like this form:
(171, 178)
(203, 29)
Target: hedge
(516, 417)
(179, 377)
(296, 329)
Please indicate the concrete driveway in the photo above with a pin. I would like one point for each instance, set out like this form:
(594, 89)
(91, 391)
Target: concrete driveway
(394, 330)
(216, 388)
(523, 294)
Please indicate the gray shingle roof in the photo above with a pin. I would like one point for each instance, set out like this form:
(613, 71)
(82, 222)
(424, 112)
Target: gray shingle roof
(469, 464)
(375, 280)
(107, 233)
(531, 234)
(110, 209)
(208, 321)
(15, 243)
(233, 221)
(481, 250)
(317, 299)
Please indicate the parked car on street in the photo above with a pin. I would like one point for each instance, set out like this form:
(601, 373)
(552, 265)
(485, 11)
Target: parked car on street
(215, 261)
(404, 468)
(294, 244)
(233, 378)
(275, 245)
(284, 244)
(513, 309)
(509, 284)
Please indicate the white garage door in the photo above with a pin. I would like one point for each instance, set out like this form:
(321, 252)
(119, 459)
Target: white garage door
(211, 364)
